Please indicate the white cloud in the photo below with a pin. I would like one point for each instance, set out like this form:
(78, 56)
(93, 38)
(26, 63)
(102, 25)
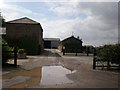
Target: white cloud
(58, 28)
(61, 0)
(12, 11)
(95, 23)
(63, 8)
(100, 25)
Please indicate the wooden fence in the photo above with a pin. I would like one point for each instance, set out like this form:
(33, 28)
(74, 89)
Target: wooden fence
(98, 62)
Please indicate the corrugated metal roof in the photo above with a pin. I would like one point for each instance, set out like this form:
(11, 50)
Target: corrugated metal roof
(24, 20)
(52, 39)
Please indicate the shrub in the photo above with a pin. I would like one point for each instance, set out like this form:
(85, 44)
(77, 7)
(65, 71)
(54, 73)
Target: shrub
(21, 54)
(5, 51)
(109, 52)
(21, 51)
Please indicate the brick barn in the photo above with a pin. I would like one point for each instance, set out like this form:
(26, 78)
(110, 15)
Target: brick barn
(26, 33)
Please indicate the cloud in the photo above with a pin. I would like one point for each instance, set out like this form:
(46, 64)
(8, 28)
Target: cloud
(103, 23)
(96, 23)
(11, 11)
(58, 28)
(99, 26)
(61, 0)
(63, 8)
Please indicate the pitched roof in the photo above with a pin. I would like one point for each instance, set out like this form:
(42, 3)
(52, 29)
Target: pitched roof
(24, 20)
(72, 37)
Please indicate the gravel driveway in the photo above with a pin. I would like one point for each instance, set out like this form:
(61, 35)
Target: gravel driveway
(30, 72)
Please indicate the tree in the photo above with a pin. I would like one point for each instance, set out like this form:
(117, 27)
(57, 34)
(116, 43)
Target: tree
(5, 51)
(109, 53)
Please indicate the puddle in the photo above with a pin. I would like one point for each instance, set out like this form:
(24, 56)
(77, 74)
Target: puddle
(46, 75)
(52, 75)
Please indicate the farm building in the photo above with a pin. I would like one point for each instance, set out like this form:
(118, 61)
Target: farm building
(71, 45)
(26, 33)
(51, 43)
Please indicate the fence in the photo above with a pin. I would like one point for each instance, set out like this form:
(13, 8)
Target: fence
(99, 62)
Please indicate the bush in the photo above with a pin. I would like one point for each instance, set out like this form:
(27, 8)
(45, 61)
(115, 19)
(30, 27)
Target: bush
(109, 52)
(21, 54)
(21, 51)
(5, 52)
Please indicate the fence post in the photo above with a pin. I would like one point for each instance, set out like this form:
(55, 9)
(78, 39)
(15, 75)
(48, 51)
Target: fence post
(94, 63)
(94, 59)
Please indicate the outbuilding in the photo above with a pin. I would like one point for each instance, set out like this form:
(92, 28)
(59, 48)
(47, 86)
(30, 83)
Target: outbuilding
(71, 45)
(26, 34)
(51, 43)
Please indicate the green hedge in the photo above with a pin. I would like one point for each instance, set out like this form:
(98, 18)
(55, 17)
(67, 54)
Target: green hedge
(109, 52)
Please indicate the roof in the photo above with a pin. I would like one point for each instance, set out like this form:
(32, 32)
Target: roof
(24, 20)
(52, 39)
(72, 37)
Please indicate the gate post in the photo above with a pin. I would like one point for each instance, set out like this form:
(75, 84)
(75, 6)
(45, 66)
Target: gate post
(94, 59)
(94, 63)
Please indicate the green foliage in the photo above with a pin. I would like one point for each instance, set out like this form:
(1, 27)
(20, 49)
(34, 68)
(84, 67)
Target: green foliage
(5, 51)
(21, 51)
(109, 52)
(88, 49)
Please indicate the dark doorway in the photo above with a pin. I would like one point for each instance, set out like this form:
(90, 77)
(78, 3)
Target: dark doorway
(47, 44)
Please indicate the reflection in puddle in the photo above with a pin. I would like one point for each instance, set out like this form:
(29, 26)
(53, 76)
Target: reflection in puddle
(52, 75)
(46, 75)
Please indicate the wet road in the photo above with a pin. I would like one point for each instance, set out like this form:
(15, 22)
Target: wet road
(37, 72)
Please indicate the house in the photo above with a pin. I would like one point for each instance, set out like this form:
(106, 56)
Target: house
(25, 33)
(51, 43)
(71, 45)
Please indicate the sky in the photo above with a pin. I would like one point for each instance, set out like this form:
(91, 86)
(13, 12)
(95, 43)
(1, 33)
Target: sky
(94, 21)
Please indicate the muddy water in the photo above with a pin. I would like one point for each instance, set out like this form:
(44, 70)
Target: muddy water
(46, 75)
(22, 78)
(52, 75)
